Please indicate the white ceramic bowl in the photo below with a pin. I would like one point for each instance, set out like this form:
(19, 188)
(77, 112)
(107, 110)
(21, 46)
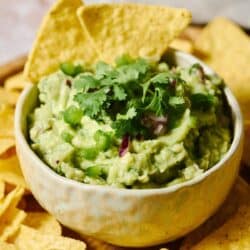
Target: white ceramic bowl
(129, 217)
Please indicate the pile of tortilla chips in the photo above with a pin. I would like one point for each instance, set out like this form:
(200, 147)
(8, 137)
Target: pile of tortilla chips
(72, 32)
(20, 227)
(24, 225)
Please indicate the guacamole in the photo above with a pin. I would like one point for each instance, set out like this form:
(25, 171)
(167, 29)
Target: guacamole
(135, 124)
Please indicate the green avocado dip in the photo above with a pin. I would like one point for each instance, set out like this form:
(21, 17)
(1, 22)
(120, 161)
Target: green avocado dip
(132, 125)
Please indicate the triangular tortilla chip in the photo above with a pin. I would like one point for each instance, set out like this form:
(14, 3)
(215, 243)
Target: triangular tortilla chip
(8, 97)
(28, 238)
(182, 44)
(246, 148)
(43, 222)
(60, 39)
(2, 190)
(6, 121)
(134, 29)
(10, 217)
(239, 196)
(6, 144)
(11, 173)
(11, 200)
(11, 222)
(15, 82)
(234, 234)
(227, 51)
(7, 246)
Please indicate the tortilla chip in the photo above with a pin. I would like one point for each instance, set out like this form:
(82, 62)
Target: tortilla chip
(227, 51)
(7, 246)
(8, 97)
(15, 82)
(2, 189)
(134, 29)
(234, 234)
(60, 39)
(95, 244)
(28, 238)
(10, 201)
(238, 196)
(246, 149)
(6, 121)
(10, 172)
(6, 144)
(43, 222)
(10, 223)
(8, 153)
(183, 45)
(191, 33)
(11, 217)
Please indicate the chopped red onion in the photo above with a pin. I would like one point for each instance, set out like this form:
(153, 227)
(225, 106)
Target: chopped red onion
(156, 123)
(124, 145)
(160, 119)
(160, 129)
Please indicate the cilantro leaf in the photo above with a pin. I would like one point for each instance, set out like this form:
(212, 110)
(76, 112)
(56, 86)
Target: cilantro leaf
(132, 127)
(145, 89)
(176, 100)
(177, 103)
(131, 113)
(91, 103)
(177, 106)
(157, 104)
(127, 73)
(130, 70)
(102, 69)
(125, 127)
(122, 127)
(127, 124)
(202, 101)
(161, 78)
(142, 66)
(119, 93)
(85, 82)
(130, 92)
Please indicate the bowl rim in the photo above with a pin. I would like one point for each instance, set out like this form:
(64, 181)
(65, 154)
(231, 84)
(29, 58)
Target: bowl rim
(237, 137)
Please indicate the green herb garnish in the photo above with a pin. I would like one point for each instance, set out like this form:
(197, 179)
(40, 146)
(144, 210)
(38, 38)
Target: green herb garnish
(130, 92)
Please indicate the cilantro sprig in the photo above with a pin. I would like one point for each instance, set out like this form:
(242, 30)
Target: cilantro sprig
(91, 103)
(135, 94)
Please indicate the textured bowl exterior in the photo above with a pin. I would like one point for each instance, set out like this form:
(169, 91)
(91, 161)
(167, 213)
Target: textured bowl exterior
(128, 217)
